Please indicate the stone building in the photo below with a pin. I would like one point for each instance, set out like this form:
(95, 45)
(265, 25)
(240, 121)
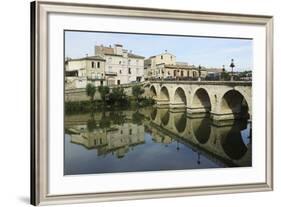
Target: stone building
(165, 66)
(79, 72)
(121, 66)
(154, 64)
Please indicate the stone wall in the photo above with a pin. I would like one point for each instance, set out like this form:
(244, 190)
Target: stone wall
(76, 95)
(80, 94)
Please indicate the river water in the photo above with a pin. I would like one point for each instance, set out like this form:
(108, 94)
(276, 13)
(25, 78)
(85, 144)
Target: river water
(151, 139)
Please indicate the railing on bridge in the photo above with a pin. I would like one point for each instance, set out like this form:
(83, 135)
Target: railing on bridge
(235, 78)
(205, 82)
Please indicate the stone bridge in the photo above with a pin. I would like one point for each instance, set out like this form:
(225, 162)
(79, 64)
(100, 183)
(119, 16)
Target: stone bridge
(222, 99)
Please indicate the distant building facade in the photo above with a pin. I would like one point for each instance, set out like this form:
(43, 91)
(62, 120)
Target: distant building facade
(79, 72)
(121, 66)
(109, 66)
(165, 66)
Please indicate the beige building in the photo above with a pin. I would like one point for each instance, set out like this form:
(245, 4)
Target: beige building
(165, 66)
(180, 71)
(121, 66)
(79, 72)
(153, 65)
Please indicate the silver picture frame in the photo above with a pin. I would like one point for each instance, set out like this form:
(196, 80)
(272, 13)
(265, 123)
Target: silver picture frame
(39, 100)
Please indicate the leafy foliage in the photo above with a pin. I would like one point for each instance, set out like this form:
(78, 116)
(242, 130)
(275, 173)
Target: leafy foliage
(118, 97)
(104, 92)
(91, 90)
(137, 91)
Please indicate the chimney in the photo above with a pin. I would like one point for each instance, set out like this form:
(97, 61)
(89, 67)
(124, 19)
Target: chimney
(118, 49)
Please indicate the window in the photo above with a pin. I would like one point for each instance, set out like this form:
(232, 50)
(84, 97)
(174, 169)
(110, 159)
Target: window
(181, 73)
(101, 83)
(109, 68)
(110, 60)
(161, 57)
(171, 57)
(118, 82)
(98, 65)
(129, 62)
(120, 71)
(120, 62)
(130, 131)
(93, 64)
(129, 70)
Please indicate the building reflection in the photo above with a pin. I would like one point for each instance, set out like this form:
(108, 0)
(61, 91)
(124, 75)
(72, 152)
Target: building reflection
(118, 133)
(109, 133)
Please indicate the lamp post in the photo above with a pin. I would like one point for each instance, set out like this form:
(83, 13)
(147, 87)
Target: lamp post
(232, 66)
(199, 70)
(223, 71)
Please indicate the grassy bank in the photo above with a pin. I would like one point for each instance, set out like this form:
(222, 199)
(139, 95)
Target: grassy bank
(97, 105)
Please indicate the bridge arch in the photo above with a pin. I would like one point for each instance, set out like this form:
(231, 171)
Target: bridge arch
(201, 99)
(152, 91)
(180, 96)
(234, 102)
(164, 94)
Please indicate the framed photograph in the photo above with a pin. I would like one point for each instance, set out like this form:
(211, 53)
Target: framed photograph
(135, 103)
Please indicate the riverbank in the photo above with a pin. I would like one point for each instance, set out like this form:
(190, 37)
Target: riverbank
(98, 105)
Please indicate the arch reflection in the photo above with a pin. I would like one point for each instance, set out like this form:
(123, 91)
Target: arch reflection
(201, 129)
(233, 144)
(166, 117)
(180, 123)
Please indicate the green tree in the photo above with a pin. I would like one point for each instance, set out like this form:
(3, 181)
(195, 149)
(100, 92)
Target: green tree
(118, 96)
(104, 91)
(91, 90)
(137, 91)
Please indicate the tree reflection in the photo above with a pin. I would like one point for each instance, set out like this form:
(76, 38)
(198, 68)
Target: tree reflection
(137, 118)
(91, 124)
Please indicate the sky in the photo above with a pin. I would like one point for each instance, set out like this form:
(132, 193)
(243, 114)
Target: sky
(204, 51)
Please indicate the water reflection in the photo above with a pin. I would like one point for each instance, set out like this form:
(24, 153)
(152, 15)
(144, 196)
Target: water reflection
(152, 139)
(202, 129)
